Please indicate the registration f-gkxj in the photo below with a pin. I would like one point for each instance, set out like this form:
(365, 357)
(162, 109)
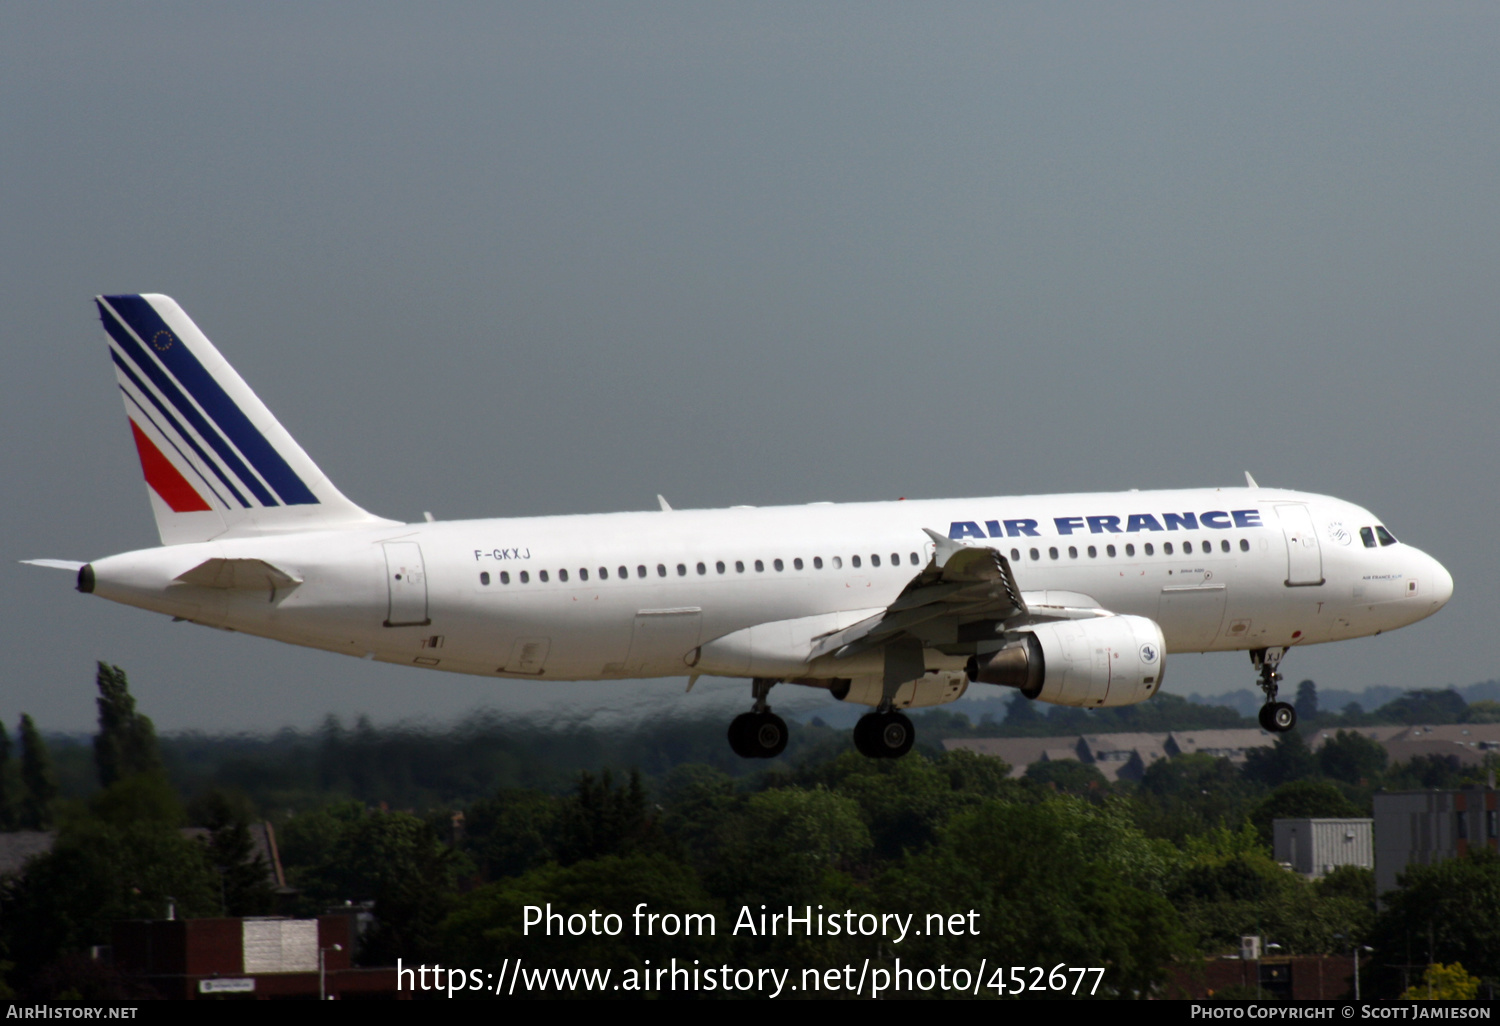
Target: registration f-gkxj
(1072, 599)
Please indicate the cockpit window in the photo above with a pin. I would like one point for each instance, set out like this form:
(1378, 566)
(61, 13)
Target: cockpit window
(1386, 538)
(1367, 535)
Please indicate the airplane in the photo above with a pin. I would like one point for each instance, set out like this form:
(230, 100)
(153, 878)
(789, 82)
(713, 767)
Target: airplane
(1070, 599)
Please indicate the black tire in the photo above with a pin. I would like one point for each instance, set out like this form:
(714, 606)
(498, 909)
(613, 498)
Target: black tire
(767, 736)
(884, 735)
(1265, 717)
(897, 735)
(739, 735)
(1283, 717)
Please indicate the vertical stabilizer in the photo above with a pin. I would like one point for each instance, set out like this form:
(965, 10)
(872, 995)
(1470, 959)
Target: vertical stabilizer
(215, 459)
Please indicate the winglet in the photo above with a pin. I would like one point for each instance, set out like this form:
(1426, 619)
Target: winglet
(1250, 481)
(666, 507)
(947, 547)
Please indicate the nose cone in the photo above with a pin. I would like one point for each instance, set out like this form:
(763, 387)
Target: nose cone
(1441, 589)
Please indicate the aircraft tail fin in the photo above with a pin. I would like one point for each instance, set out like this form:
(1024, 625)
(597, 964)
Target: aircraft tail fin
(216, 461)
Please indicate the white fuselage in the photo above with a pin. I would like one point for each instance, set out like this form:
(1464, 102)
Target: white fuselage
(741, 592)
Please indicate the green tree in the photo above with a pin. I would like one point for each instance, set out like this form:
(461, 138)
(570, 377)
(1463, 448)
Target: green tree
(398, 862)
(1353, 758)
(8, 810)
(245, 884)
(1444, 983)
(1068, 775)
(126, 742)
(512, 832)
(1486, 711)
(1287, 760)
(1315, 799)
(1443, 913)
(38, 781)
(1427, 705)
(1185, 795)
(1306, 702)
(602, 819)
(1021, 712)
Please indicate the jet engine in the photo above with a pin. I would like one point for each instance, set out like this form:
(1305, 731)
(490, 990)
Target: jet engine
(1112, 660)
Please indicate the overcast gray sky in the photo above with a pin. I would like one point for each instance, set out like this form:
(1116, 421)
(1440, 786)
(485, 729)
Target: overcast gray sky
(497, 259)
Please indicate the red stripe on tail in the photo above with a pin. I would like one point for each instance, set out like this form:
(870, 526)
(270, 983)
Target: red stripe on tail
(164, 478)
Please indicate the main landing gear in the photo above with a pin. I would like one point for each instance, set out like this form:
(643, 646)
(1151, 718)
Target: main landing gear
(1276, 717)
(884, 734)
(759, 733)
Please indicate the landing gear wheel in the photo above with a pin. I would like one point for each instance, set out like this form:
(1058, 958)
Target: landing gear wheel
(758, 735)
(884, 735)
(1278, 717)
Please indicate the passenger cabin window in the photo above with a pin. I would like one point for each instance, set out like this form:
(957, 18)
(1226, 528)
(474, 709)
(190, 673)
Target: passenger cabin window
(874, 559)
(1035, 555)
(624, 573)
(1149, 550)
(1224, 545)
(681, 569)
(739, 566)
(1109, 550)
(1015, 555)
(562, 575)
(914, 560)
(1367, 535)
(525, 577)
(719, 566)
(583, 573)
(779, 565)
(1130, 549)
(895, 559)
(1244, 545)
(1386, 538)
(817, 562)
(1072, 551)
(1093, 552)
(1166, 549)
(504, 576)
(542, 577)
(484, 577)
(661, 569)
(702, 569)
(1187, 548)
(854, 562)
(604, 573)
(838, 562)
(797, 563)
(640, 571)
(1052, 551)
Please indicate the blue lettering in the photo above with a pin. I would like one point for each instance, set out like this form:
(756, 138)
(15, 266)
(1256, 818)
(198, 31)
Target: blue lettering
(1217, 518)
(965, 529)
(1065, 525)
(1247, 518)
(1098, 525)
(993, 526)
(1016, 528)
(1142, 522)
(1183, 520)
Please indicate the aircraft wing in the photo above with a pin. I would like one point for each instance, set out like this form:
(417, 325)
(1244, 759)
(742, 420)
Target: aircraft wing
(961, 588)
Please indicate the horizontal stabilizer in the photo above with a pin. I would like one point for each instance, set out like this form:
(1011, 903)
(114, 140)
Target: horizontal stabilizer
(239, 574)
(70, 565)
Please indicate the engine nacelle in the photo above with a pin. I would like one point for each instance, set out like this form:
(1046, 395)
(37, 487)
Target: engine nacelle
(1112, 660)
(932, 689)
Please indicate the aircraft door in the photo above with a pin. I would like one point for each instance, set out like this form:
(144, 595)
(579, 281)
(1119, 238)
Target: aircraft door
(1304, 557)
(406, 583)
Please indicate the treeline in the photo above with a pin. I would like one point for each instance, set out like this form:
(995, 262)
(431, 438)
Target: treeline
(447, 838)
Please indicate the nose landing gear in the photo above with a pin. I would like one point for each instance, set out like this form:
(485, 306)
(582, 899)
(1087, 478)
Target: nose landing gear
(1276, 717)
(760, 733)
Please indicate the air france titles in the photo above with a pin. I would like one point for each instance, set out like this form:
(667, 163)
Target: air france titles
(1131, 523)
